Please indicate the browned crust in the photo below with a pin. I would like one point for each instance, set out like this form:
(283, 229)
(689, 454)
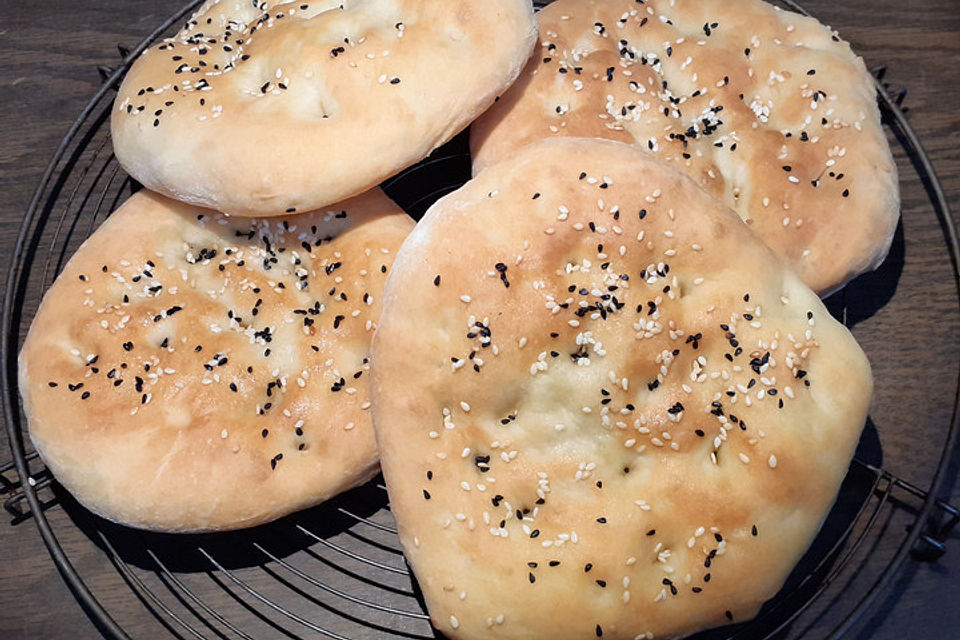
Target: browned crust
(654, 466)
(767, 110)
(257, 109)
(191, 372)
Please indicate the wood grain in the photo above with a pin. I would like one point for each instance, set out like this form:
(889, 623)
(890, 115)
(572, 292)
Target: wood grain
(50, 52)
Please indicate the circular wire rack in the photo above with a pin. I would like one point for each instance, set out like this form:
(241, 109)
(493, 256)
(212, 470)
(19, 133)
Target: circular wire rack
(337, 570)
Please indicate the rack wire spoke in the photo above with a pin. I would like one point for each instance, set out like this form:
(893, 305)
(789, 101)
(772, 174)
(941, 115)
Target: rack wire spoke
(351, 554)
(268, 602)
(840, 564)
(366, 521)
(169, 575)
(346, 596)
(132, 578)
(65, 212)
(419, 167)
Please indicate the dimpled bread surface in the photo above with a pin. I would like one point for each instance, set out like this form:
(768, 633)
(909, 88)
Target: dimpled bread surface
(193, 372)
(604, 407)
(270, 108)
(766, 109)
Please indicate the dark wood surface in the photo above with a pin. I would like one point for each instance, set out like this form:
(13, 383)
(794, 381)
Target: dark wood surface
(49, 52)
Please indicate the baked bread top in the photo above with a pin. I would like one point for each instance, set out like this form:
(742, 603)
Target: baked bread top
(189, 371)
(269, 108)
(768, 110)
(603, 405)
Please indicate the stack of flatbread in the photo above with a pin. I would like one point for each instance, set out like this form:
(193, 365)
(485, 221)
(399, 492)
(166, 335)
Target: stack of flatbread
(607, 398)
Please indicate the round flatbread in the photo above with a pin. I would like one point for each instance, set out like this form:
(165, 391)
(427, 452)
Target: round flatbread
(269, 108)
(766, 109)
(188, 371)
(593, 385)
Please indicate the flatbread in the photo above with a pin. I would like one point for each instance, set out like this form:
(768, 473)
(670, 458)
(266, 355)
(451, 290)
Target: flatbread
(766, 109)
(604, 407)
(193, 372)
(269, 108)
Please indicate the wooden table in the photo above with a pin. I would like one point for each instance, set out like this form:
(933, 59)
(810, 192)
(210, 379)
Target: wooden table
(50, 51)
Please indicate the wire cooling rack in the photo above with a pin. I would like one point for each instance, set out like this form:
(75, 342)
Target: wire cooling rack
(336, 571)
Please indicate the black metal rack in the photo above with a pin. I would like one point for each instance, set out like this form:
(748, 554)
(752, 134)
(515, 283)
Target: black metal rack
(337, 571)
